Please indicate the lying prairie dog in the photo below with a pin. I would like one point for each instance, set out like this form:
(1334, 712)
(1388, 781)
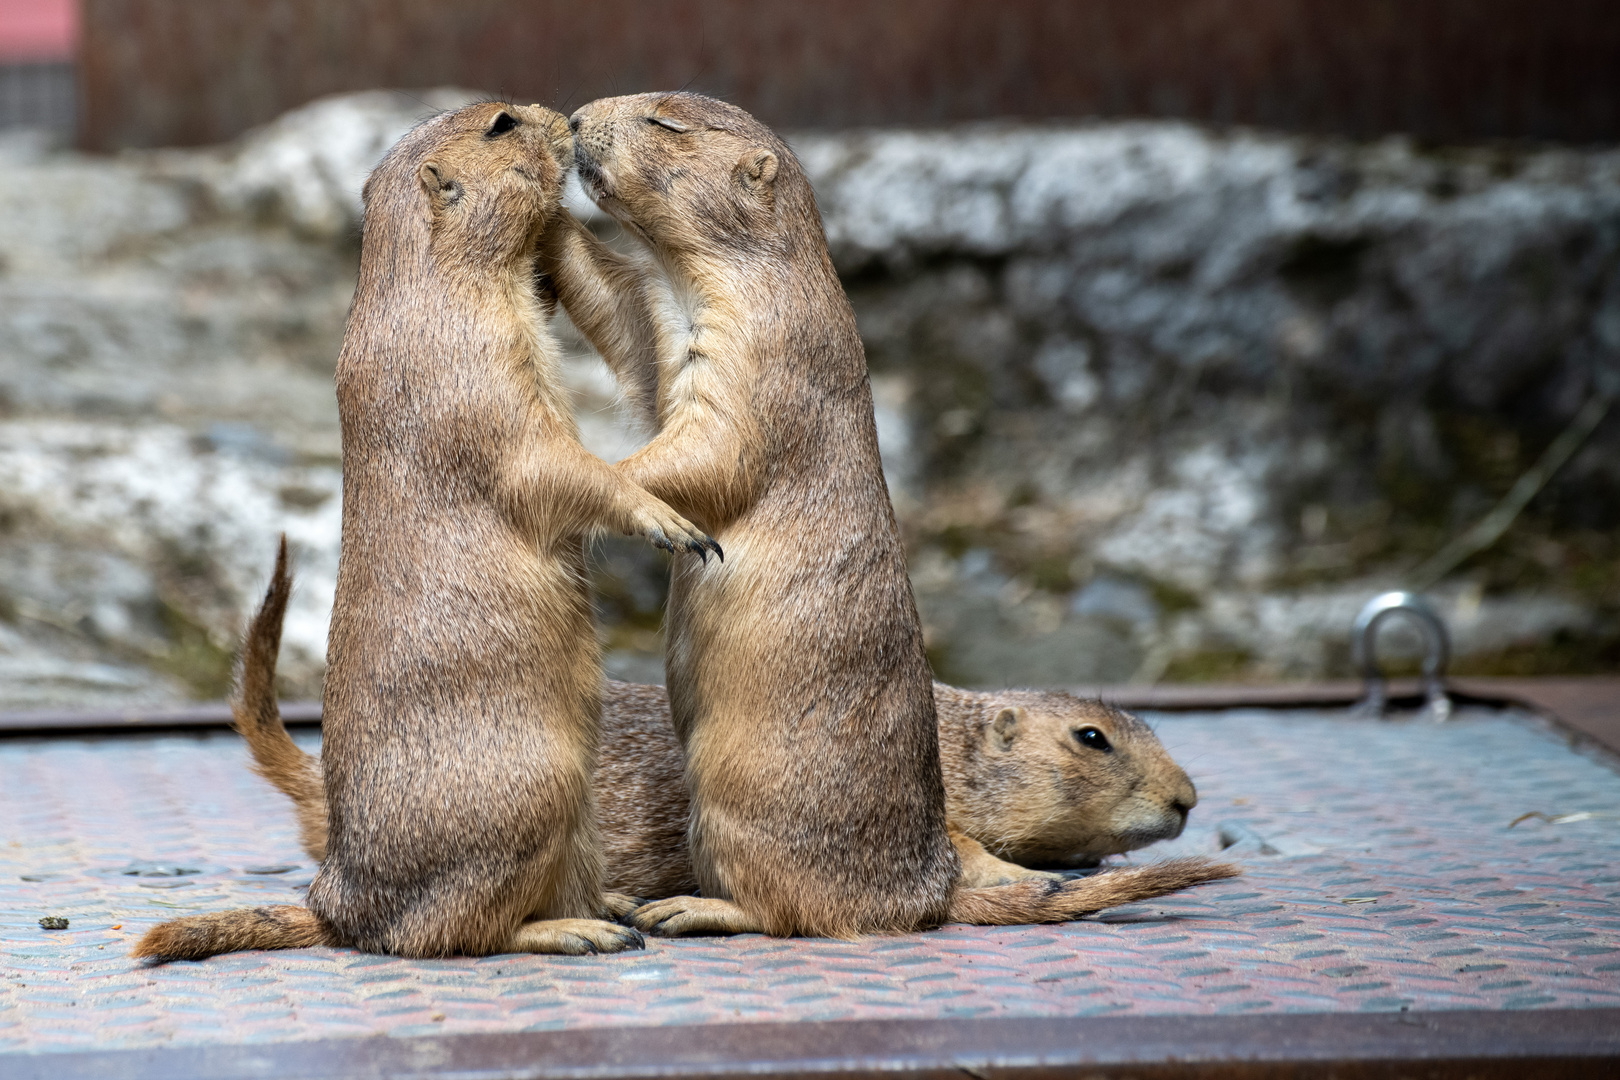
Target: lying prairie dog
(1036, 778)
(1046, 779)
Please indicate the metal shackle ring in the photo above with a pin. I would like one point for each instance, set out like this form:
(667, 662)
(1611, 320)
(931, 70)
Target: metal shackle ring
(1436, 653)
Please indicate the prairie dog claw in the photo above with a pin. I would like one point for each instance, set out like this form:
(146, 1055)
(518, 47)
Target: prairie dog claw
(668, 530)
(575, 937)
(681, 915)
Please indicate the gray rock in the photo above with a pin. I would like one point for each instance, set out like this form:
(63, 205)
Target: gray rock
(307, 167)
(1262, 375)
(1153, 400)
(169, 322)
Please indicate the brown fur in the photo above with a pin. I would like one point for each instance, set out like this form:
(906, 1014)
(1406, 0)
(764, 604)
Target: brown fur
(1020, 780)
(641, 795)
(463, 674)
(797, 680)
(1037, 901)
(1019, 795)
(1034, 795)
(198, 937)
(812, 762)
(253, 706)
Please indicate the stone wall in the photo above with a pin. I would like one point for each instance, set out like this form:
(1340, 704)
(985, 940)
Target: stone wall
(1155, 401)
(1178, 401)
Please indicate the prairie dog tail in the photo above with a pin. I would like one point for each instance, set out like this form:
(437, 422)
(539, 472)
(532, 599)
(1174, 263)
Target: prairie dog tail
(197, 937)
(258, 717)
(1039, 901)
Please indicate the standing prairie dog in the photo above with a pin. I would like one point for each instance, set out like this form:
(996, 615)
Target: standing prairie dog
(463, 672)
(797, 681)
(1038, 778)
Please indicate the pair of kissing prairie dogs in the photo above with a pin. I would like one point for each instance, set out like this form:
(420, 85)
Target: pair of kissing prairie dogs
(464, 688)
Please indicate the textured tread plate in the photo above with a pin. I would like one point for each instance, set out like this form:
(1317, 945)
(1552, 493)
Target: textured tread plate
(1466, 913)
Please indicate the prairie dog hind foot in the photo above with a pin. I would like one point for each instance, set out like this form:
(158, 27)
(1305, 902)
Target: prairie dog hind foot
(617, 905)
(980, 869)
(682, 915)
(574, 937)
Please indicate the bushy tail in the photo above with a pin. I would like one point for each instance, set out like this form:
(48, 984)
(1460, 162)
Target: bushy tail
(197, 937)
(1039, 901)
(253, 705)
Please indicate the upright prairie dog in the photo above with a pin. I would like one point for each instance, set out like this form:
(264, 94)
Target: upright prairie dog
(1034, 778)
(463, 673)
(797, 681)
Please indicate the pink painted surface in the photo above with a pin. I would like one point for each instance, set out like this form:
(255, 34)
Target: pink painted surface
(1384, 872)
(38, 30)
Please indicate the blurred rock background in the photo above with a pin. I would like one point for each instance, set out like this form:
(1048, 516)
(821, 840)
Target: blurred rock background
(1175, 403)
(1158, 400)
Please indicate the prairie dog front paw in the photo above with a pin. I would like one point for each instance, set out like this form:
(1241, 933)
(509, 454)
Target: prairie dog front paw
(668, 530)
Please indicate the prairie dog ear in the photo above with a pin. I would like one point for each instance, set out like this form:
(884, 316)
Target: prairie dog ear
(439, 183)
(756, 171)
(1004, 728)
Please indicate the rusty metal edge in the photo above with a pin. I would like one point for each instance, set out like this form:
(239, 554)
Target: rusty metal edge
(138, 720)
(1198, 697)
(1518, 1044)
(1174, 698)
(1163, 697)
(1533, 693)
(1585, 707)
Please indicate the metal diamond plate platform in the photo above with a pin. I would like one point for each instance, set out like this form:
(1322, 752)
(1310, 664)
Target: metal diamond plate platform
(1385, 872)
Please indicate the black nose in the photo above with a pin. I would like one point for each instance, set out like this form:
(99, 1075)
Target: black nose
(573, 124)
(1180, 807)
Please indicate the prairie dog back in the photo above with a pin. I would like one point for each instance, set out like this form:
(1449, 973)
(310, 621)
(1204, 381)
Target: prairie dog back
(797, 679)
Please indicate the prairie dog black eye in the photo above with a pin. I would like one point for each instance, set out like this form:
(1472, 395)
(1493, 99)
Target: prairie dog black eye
(1093, 739)
(502, 123)
(667, 123)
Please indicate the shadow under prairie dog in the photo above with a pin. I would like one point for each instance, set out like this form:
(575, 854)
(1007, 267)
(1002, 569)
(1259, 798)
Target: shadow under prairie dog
(463, 672)
(797, 681)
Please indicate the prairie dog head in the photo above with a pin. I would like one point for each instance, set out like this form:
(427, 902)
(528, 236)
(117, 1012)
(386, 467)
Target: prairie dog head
(689, 173)
(472, 187)
(1063, 782)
